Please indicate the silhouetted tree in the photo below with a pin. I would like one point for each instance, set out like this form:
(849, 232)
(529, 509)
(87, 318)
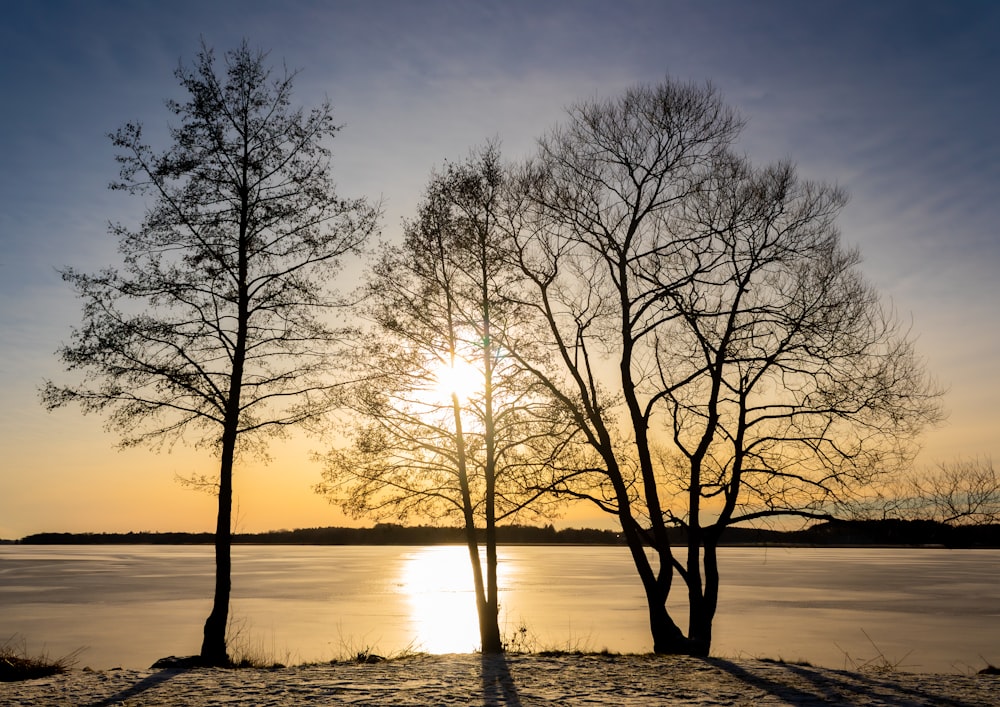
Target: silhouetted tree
(720, 352)
(450, 426)
(961, 492)
(787, 385)
(217, 328)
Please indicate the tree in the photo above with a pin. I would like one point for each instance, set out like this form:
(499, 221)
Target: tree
(960, 492)
(218, 327)
(788, 386)
(720, 353)
(451, 426)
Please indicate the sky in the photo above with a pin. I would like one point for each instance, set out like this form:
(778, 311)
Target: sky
(896, 101)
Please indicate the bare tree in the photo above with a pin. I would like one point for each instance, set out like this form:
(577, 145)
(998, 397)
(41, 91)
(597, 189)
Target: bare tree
(720, 353)
(217, 328)
(787, 384)
(452, 426)
(961, 492)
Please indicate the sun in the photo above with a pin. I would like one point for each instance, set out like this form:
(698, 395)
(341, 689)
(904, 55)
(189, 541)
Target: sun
(461, 378)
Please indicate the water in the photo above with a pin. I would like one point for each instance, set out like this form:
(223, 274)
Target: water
(923, 609)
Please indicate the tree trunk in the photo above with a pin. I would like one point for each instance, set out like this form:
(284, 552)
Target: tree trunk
(702, 607)
(667, 637)
(489, 628)
(489, 618)
(487, 613)
(700, 630)
(489, 632)
(213, 647)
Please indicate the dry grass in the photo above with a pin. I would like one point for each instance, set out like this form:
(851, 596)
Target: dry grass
(879, 664)
(17, 664)
(247, 650)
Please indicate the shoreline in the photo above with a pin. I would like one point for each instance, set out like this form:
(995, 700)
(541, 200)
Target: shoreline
(515, 679)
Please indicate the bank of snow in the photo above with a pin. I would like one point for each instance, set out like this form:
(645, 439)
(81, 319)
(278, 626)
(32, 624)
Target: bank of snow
(471, 679)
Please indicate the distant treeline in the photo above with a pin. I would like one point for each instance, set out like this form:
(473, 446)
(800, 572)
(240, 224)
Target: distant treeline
(381, 534)
(835, 533)
(882, 532)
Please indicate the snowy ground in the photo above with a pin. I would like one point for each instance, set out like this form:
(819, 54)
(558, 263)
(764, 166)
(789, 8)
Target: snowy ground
(471, 679)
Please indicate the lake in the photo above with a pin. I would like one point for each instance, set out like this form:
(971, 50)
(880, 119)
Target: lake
(927, 610)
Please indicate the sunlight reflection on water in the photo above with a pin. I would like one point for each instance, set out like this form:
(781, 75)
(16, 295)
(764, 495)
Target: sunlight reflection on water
(437, 582)
(440, 593)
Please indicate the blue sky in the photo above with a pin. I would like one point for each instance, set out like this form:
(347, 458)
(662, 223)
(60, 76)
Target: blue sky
(898, 102)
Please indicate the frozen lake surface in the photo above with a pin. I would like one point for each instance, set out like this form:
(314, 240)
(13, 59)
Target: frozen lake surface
(929, 610)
